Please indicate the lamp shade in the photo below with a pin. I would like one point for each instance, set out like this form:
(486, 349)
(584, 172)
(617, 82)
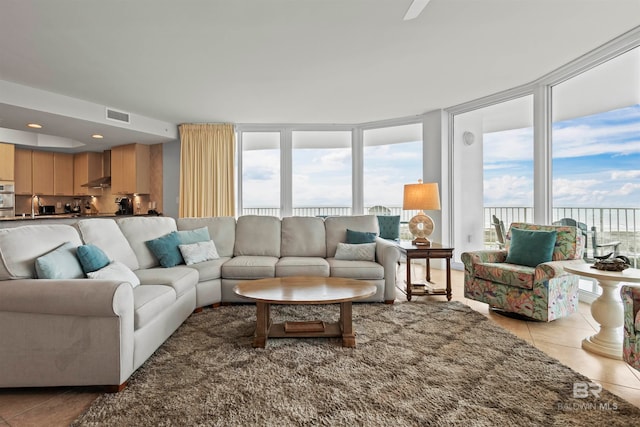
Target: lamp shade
(421, 196)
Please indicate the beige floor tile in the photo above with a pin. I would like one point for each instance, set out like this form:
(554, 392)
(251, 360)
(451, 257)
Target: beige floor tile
(595, 367)
(631, 395)
(517, 327)
(60, 410)
(16, 401)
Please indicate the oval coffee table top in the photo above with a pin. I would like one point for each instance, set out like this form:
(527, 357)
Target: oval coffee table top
(305, 290)
(628, 275)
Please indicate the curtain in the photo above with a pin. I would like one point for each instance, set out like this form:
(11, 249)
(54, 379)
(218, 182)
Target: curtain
(206, 170)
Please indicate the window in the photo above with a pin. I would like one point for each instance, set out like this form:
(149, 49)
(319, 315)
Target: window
(261, 173)
(596, 156)
(321, 173)
(392, 158)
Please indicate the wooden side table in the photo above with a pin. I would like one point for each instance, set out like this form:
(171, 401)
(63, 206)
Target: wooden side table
(435, 250)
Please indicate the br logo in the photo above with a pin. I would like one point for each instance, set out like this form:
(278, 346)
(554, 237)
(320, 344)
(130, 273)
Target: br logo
(582, 390)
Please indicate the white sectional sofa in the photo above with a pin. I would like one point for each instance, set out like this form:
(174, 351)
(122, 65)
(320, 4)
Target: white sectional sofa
(82, 331)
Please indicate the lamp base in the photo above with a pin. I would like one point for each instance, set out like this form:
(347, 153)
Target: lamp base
(421, 241)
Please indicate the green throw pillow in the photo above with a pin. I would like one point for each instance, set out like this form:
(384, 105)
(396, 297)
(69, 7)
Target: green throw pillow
(389, 226)
(166, 249)
(531, 247)
(188, 237)
(92, 258)
(357, 237)
(60, 263)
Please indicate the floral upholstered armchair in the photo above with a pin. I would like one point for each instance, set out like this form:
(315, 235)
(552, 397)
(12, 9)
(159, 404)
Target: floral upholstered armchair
(542, 291)
(631, 338)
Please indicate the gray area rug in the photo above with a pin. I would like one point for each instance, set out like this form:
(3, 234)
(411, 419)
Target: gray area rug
(418, 363)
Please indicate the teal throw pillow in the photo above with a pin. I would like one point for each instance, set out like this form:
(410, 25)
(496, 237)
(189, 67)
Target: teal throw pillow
(92, 258)
(531, 247)
(389, 226)
(188, 237)
(357, 237)
(60, 263)
(166, 249)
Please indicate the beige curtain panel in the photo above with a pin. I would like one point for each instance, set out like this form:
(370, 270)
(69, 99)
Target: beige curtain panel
(206, 170)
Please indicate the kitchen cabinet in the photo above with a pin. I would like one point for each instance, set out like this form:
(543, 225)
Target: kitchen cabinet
(7, 162)
(42, 172)
(23, 174)
(62, 174)
(130, 169)
(87, 167)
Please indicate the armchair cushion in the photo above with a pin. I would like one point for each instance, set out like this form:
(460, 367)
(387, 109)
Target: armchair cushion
(531, 247)
(569, 241)
(520, 276)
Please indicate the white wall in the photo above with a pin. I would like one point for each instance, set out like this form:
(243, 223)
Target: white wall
(171, 179)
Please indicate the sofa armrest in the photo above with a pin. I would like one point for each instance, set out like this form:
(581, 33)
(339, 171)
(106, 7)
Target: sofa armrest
(77, 297)
(388, 255)
(631, 302)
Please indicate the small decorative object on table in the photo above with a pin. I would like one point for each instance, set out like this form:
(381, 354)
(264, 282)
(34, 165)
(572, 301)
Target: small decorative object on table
(618, 263)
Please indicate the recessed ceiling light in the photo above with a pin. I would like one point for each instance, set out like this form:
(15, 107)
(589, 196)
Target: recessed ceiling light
(34, 125)
(97, 136)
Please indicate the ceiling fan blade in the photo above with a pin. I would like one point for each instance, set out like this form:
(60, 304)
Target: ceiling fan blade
(415, 9)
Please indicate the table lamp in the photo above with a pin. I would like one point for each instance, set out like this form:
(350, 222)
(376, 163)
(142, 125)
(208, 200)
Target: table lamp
(421, 197)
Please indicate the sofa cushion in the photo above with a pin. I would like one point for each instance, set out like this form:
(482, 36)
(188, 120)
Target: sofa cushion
(336, 229)
(92, 258)
(20, 246)
(389, 226)
(149, 301)
(519, 276)
(222, 230)
(209, 270)
(249, 267)
(180, 278)
(165, 249)
(140, 230)
(302, 266)
(356, 252)
(195, 253)
(258, 236)
(115, 271)
(365, 270)
(303, 236)
(531, 247)
(188, 237)
(105, 234)
(60, 263)
(358, 237)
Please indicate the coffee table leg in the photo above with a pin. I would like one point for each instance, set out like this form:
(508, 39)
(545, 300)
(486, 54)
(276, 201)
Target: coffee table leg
(262, 324)
(346, 324)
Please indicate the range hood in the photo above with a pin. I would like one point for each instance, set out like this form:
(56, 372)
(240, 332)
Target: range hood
(105, 180)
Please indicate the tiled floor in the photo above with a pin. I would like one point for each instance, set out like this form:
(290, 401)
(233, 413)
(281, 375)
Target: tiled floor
(560, 339)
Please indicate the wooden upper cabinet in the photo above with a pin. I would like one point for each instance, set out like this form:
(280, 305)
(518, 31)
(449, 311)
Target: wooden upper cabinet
(130, 173)
(87, 166)
(23, 174)
(7, 162)
(42, 172)
(62, 174)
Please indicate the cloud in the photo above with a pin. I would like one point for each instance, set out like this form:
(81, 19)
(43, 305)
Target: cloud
(631, 174)
(508, 190)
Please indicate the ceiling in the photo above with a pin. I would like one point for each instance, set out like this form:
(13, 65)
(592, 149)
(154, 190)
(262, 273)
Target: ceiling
(275, 61)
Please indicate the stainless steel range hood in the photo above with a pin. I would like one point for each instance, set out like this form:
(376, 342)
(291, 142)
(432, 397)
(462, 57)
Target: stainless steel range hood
(105, 180)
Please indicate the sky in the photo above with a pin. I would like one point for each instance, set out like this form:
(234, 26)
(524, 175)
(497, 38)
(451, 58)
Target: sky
(322, 177)
(596, 162)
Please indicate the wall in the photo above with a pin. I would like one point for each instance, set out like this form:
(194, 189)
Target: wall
(171, 181)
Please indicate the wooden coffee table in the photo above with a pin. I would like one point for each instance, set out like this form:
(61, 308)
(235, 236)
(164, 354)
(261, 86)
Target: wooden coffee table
(304, 290)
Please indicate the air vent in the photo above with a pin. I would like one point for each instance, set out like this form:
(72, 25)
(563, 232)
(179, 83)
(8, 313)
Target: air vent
(117, 115)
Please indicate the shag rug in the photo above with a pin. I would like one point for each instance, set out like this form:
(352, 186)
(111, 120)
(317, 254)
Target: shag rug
(419, 363)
